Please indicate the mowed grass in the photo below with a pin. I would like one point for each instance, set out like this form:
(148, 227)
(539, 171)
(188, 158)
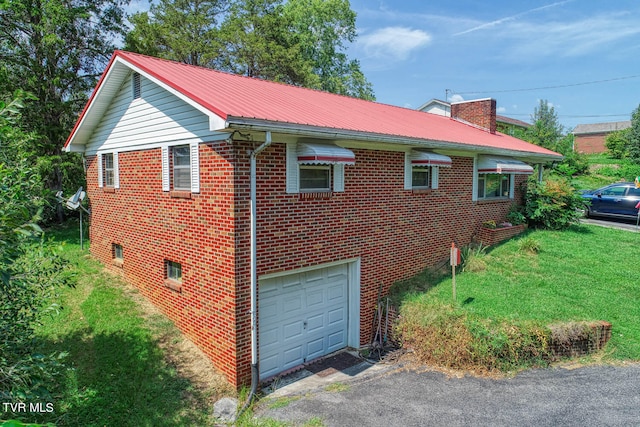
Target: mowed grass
(119, 374)
(583, 274)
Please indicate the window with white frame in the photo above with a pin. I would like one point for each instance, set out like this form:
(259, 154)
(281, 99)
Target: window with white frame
(315, 178)
(495, 177)
(316, 167)
(493, 185)
(422, 169)
(420, 177)
(108, 171)
(108, 175)
(180, 168)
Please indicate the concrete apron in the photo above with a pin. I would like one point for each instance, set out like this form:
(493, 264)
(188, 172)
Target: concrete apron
(341, 367)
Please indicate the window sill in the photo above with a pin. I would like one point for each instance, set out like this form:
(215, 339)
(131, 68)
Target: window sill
(315, 195)
(173, 285)
(117, 262)
(177, 194)
(422, 190)
(108, 190)
(493, 200)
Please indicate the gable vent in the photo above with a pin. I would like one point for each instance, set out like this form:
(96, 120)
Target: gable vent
(136, 85)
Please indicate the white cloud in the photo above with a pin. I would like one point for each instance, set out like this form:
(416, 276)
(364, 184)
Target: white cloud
(501, 110)
(456, 98)
(393, 43)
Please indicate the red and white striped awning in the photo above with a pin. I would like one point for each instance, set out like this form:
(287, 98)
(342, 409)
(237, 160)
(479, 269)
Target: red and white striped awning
(425, 158)
(503, 165)
(324, 154)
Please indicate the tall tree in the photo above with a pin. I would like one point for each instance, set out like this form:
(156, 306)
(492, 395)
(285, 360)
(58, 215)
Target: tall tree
(322, 28)
(634, 136)
(181, 30)
(256, 42)
(546, 130)
(56, 49)
(301, 42)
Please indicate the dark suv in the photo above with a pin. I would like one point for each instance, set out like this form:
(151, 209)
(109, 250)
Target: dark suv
(615, 200)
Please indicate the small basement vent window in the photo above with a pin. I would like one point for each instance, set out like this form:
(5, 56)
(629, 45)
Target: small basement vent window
(173, 270)
(135, 85)
(118, 253)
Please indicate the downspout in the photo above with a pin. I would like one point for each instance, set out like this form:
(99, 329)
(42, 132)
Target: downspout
(255, 371)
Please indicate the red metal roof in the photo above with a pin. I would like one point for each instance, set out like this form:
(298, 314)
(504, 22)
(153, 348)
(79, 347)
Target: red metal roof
(233, 96)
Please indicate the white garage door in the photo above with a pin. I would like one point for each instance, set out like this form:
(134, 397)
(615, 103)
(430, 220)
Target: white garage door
(301, 317)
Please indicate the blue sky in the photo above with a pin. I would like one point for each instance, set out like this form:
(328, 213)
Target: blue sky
(416, 50)
(413, 51)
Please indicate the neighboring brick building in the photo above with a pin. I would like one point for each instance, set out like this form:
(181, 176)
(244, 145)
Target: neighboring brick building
(350, 196)
(591, 138)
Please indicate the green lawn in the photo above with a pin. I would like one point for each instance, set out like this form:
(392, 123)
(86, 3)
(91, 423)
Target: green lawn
(585, 273)
(120, 374)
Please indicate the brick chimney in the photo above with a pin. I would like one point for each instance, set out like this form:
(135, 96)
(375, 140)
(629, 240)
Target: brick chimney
(479, 112)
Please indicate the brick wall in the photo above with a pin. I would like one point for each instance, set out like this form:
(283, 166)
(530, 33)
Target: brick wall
(198, 233)
(395, 232)
(480, 112)
(589, 144)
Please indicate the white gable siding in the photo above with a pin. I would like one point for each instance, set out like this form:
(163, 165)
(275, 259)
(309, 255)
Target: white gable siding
(157, 118)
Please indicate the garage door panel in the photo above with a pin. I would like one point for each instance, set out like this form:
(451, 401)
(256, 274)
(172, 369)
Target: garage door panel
(315, 298)
(337, 341)
(316, 348)
(293, 356)
(336, 316)
(292, 330)
(315, 323)
(336, 292)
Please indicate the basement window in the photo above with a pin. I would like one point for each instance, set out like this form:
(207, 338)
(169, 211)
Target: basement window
(117, 254)
(173, 275)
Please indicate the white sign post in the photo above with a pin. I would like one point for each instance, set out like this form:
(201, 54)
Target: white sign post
(454, 260)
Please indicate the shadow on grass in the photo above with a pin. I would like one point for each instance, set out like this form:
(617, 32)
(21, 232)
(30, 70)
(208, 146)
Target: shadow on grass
(119, 379)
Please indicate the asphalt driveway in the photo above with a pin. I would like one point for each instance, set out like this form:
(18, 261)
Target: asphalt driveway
(589, 396)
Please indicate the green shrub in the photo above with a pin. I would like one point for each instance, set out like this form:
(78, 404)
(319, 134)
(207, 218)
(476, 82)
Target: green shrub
(473, 258)
(552, 204)
(529, 245)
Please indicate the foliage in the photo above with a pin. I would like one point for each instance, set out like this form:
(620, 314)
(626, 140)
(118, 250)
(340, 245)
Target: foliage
(574, 163)
(443, 335)
(634, 136)
(529, 244)
(516, 215)
(30, 271)
(546, 130)
(473, 257)
(300, 42)
(552, 204)
(617, 143)
(491, 224)
(55, 50)
(255, 42)
(322, 28)
(182, 30)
